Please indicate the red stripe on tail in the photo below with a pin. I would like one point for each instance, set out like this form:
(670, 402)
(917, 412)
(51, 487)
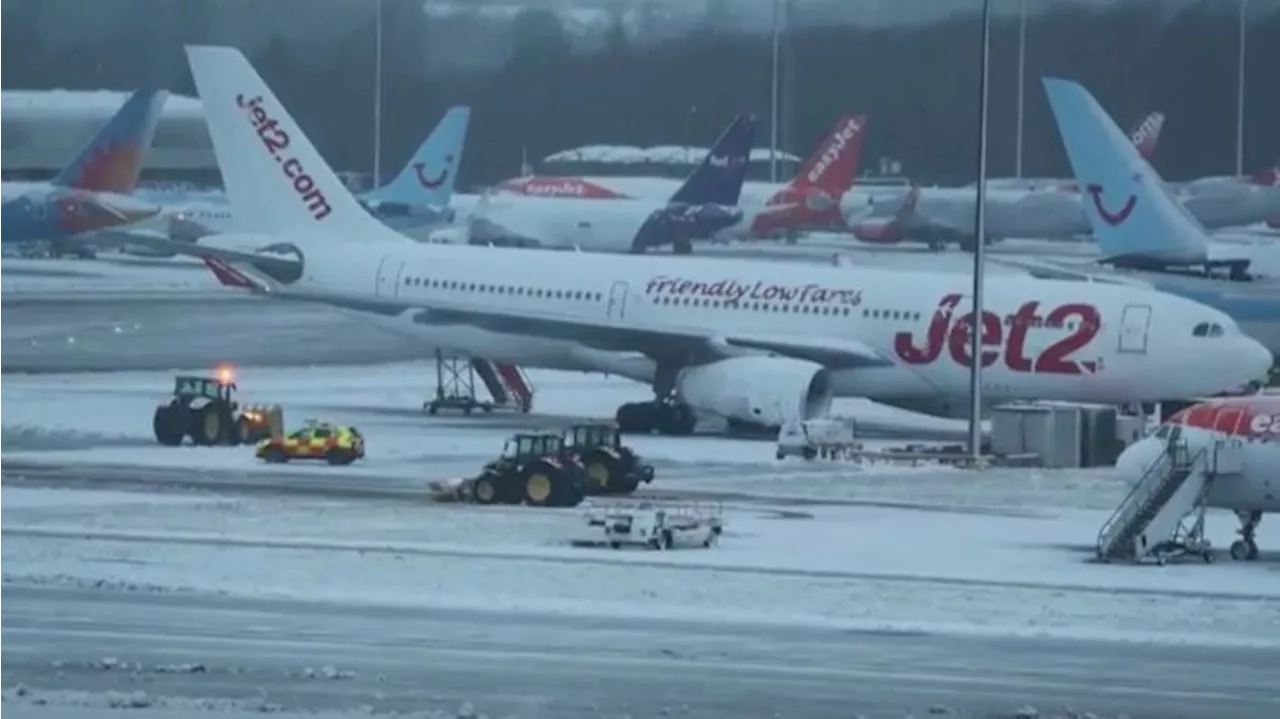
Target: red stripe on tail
(229, 276)
(515, 381)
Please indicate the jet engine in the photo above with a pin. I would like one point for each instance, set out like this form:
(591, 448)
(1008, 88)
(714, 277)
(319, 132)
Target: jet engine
(760, 391)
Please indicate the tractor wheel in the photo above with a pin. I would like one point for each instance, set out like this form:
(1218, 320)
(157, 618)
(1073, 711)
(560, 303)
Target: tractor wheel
(602, 472)
(546, 485)
(488, 488)
(339, 457)
(211, 426)
(168, 425)
(275, 455)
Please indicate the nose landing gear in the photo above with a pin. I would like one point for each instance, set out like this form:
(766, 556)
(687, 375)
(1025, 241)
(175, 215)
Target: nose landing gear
(1246, 548)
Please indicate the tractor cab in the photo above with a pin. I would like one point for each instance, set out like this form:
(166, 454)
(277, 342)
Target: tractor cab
(187, 388)
(592, 435)
(529, 446)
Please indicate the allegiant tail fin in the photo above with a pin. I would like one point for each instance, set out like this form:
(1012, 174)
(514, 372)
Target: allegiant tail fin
(112, 160)
(430, 175)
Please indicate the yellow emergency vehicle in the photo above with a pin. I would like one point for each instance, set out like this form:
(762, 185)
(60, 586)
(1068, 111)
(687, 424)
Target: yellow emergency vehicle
(333, 443)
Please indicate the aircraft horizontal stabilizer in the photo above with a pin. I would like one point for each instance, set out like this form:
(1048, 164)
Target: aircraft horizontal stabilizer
(273, 266)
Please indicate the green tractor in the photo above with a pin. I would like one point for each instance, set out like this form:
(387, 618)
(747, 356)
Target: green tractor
(612, 467)
(204, 410)
(533, 469)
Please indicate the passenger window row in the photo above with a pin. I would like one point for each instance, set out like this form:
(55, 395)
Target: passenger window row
(754, 306)
(536, 292)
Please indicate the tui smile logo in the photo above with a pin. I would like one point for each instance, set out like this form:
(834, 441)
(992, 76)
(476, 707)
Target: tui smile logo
(420, 169)
(1117, 217)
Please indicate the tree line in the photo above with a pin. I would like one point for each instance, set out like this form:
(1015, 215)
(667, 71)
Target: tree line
(535, 86)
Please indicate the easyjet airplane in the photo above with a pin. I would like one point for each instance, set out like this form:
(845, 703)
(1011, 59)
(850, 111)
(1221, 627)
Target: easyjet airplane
(810, 201)
(754, 342)
(1254, 422)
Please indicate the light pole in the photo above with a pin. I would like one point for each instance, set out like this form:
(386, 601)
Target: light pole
(1240, 63)
(1022, 69)
(979, 248)
(377, 94)
(775, 110)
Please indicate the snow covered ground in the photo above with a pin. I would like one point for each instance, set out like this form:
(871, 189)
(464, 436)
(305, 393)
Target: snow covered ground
(106, 417)
(108, 274)
(844, 567)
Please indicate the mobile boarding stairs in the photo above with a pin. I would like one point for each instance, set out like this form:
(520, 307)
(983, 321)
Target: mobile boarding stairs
(1162, 517)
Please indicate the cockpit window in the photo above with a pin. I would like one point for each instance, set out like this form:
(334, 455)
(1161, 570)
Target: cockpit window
(1162, 432)
(1208, 329)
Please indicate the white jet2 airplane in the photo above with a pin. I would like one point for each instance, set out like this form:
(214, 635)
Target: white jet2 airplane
(757, 343)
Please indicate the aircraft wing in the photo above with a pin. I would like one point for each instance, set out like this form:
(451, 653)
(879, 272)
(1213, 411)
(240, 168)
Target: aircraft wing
(652, 340)
(1058, 270)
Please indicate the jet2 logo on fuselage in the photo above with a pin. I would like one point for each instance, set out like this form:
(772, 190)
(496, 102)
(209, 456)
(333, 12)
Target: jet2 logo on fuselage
(1268, 424)
(953, 334)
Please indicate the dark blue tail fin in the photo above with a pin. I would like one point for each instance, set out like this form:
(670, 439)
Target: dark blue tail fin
(718, 180)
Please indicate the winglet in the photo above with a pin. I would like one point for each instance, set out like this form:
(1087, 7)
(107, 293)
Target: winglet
(718, 179)
(229, 276)
(112, 160)
(1133, 216)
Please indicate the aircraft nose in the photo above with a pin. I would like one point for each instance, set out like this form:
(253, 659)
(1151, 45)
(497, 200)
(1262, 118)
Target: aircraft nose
(1255, 359)
(1134, 461)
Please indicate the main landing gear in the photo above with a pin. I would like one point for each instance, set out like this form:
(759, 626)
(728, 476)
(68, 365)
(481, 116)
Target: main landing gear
(666, 416)
(1245, 548)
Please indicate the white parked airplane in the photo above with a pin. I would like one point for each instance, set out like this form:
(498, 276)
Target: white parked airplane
(754, 342)
(1253, 425)
(1138, 221)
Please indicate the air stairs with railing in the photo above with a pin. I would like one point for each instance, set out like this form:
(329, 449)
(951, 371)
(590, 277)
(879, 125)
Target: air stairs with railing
(1162, 517)
(508, 386)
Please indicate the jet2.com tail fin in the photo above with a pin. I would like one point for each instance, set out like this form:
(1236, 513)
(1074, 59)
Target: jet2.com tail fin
(1133, 216)
(430, 175)
(718, 180)
(275, 179)
(834, 165)
(112, 160)
(1146, 135)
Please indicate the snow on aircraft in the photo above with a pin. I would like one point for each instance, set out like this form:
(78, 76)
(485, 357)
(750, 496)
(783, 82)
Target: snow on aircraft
(1145, 137)
(1052, 210)
(1134, 215)
(1147, 235)
(756, 343)
(93, 193)
(809, 202)
(702, 207)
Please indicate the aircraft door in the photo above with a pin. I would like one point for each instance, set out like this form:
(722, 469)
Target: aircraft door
(388, 282)
(618, 300)
(1134, 324)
